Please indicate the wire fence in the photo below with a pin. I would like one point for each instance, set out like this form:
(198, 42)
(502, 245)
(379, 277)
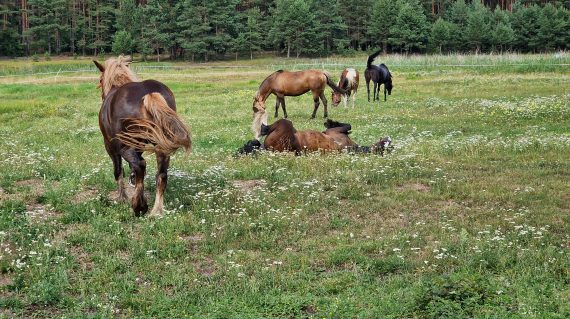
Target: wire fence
(255, 69)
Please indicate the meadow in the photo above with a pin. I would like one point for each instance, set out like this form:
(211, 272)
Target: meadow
(468, 217)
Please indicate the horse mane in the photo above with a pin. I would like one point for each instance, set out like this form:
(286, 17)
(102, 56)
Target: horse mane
(329, 124)
(117, 74)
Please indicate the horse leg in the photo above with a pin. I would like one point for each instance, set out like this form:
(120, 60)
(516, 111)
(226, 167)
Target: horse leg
(138, 202)
(368, 89)
(162, 163)
(374, 97)
(117, 171)
(283, 106)
(277, 101)
(384, 92)
(345, 100)
(316, 103)
(324, 99)
(353, 98)
(378, 95)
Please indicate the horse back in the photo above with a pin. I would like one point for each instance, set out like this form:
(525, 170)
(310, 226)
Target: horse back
(299, 82)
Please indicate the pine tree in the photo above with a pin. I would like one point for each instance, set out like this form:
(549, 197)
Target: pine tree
(502, 35)
(193, 28)
(441, 36)
(384, 15)
(123, 42)
(329, 26)
(525, 25)
(478, 26)
(249, 39)
(294, 27)
(356, 14)
(457, 15)
(410, 33)
(155, 30)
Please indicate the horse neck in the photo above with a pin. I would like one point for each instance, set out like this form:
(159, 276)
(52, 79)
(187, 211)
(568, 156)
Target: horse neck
(264, 90)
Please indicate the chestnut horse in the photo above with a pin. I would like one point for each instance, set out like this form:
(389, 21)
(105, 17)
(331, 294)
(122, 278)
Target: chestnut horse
(136, 117)
(282, 136)
(348, 82)
(379, 75)
(285, 83)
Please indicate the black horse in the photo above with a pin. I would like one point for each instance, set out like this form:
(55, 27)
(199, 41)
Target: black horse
(379, 74)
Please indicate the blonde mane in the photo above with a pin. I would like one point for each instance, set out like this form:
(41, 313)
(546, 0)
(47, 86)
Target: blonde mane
(117, 73)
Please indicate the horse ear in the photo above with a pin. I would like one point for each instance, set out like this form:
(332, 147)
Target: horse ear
(99, 66)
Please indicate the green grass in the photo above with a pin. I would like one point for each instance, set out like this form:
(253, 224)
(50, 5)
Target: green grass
(467, 218)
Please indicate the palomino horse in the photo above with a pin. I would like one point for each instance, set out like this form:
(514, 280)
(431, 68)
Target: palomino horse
(285, 83)
(136, 117)
(379, 75)
(348, 82)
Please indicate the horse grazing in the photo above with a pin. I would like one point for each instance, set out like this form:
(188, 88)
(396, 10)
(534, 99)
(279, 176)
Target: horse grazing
(136, 117)
(348, 82)
(285, 83)
(379, 75)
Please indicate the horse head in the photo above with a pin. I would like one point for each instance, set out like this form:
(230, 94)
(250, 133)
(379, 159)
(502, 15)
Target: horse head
(114, 73)
(336, 98)
(388, 86)
(258, 103)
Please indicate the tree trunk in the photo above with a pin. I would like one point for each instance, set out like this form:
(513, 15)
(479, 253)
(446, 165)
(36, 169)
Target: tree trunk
(157, 54)
(385, 47)
(288, 49)
(250, 54)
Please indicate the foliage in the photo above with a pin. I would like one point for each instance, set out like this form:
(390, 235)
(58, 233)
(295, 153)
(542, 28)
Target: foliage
(204, 30)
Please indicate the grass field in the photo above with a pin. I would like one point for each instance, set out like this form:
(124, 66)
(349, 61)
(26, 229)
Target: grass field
(467, 218)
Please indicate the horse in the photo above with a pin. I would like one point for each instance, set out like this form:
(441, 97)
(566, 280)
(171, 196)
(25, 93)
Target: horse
(281, 136)
(136, 117)
(348, 82)
(285, 83)
(379, 75)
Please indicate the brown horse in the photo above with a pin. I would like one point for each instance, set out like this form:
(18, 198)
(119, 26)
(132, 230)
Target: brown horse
(285, 83)
(136, 117)
(348, 82)
(282, 136)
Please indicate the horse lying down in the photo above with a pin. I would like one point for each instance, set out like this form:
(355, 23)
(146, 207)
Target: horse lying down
(281, 136)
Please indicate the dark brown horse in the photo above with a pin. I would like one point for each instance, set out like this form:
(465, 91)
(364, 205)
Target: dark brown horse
(348, 82)
(379, 74)
(136, 117)
(285, 83)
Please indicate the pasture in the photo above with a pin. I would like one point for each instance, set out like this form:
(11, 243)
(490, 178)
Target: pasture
(468, 217)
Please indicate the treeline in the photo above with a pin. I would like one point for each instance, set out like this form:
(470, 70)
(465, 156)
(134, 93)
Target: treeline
(207, 29)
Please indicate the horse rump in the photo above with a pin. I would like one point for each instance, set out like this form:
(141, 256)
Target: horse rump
(160, 131)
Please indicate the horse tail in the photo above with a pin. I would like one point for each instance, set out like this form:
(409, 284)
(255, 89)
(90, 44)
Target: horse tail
(161, 131)
(331, 83)
(371, 58)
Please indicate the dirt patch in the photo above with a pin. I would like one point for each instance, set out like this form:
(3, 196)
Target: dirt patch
(39, 213)
(247, 186)
(5, 281)
(85, 195)
(205, 267)
(35, 185)
(192, 241)
(418, 187)
(41, 311)
(82, 258)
